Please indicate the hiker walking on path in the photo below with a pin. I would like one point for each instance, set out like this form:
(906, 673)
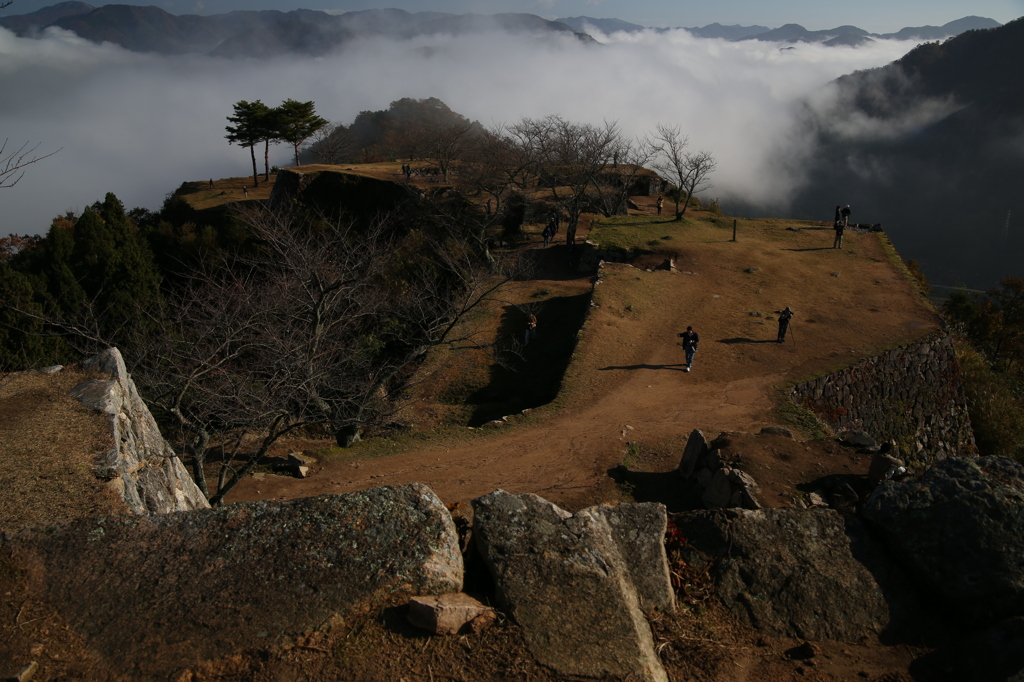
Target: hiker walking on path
(548, 233)
(690, 340)
(531, 329)
(784, 317)
(837, 243)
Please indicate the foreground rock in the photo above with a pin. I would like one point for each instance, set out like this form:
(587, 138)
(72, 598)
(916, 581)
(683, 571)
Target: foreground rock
(717, 483)
(140, 466)
(564, 579)
(960, 529)
(786, 572)
(152, 594)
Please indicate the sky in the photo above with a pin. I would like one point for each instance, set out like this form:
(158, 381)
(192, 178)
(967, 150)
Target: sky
(878, 16)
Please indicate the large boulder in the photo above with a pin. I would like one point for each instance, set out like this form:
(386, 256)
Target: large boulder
(563, 578)
(787, 572)
(960, 529)
(152, 594)
(140, 465)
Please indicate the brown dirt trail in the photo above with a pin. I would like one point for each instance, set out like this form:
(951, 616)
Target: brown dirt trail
(626, 381)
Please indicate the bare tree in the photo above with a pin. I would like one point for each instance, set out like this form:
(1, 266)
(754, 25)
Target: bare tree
(331, 144)
(572, 157)
(446, 144)
(688, 171)
(671, 161)
(323, 327)
(13, 163)
(699, 165)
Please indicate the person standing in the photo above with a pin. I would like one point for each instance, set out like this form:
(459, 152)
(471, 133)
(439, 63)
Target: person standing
(784, 317)
(837, 243)
(690, 340)
(846, 215)
(839, 214)
(661, 203)
(531, 329)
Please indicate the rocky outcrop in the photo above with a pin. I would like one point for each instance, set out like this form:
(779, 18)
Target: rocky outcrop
(788, 573)
(717, 483)
(564, 579)
(152, 594)
(911, 394)
(140, 465)
(960, 529)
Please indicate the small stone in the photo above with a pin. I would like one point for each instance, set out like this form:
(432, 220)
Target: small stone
(834, 274)
(803, 652)
(483, 621)
(752, 270)
(775, 431)
(301, 472)
(444, 614)
(36, 648)
(755, 314)
(857, 439)
(25, 673)
(52, 369)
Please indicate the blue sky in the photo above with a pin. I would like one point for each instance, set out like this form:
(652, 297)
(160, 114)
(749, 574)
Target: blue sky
(880, 16)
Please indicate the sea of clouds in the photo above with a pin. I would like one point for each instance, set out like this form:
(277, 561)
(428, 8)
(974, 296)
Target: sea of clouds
(138, 125)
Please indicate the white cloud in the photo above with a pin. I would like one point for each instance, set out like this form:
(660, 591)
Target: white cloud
(139, 125)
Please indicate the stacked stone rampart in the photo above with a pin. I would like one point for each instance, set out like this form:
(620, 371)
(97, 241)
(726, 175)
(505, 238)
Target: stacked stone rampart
(911, 394)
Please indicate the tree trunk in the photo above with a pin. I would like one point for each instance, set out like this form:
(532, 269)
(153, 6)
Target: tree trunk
(199, 461)
(255, 172)
(297, 155)
(266, 160)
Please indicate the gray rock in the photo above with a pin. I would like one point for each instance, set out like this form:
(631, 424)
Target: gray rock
(205, 584)
(857, 439)
(787, 572)
(718, 491)
(140, 465)
(881, 464)
(696, 448)
(775, 431)
(563, 579)
(960, 529)
(639, 533)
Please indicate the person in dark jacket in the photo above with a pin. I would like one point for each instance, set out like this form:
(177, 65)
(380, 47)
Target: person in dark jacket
(690, 340)
(784, 317)
(837, 243)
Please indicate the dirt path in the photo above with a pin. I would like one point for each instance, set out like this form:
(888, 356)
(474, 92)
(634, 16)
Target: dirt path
(627, 382)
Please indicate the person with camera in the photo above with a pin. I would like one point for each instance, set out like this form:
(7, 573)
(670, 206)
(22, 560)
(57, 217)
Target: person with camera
(690, 340)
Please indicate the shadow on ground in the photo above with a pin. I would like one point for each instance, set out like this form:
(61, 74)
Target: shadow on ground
(527, 375)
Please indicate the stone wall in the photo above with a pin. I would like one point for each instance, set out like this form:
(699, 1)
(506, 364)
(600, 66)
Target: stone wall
(910, 394)
(140, 465)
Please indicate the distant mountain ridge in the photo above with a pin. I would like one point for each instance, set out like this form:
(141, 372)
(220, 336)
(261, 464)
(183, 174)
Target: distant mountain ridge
(939, 161)
(269, 33)
(795, 33)
(263, 33)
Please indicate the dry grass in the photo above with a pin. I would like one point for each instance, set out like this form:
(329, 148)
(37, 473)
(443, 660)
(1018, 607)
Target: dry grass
(49, 445)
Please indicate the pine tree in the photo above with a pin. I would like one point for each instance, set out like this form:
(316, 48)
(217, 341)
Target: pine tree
(251, 121)
(295, 122)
